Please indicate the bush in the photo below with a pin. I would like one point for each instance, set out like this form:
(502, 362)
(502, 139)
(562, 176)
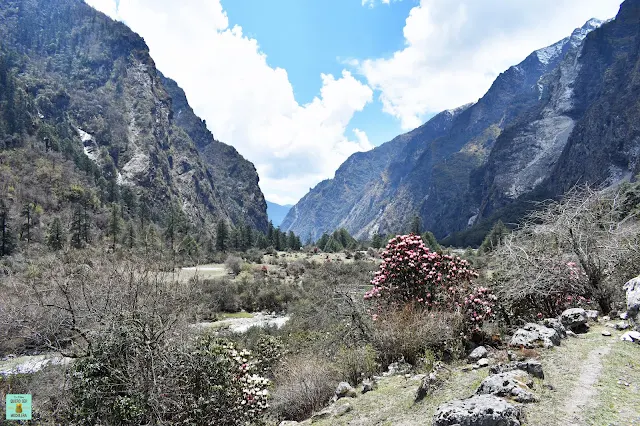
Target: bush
(233, 264)
(355, 364)
(304, 383)
(408, 332)
(253, 256)
(129, 380)
(411, 273)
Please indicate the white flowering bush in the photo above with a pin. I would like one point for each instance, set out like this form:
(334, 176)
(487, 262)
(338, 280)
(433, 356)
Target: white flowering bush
(131, 381)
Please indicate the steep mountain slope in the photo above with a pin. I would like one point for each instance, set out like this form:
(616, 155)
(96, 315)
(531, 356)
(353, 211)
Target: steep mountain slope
(277, 212)
(430, 171)
(85, 86)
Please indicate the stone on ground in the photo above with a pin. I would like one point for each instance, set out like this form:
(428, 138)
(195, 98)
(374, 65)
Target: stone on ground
(535, 335)
(556, 325)
(369, 385)
(531, 366)
(479, 410)
(631, 336)
(514, 385)
(478, 353)
(344, 389)
(575, 319)
(397, 368)
(632, 288)
(592, 315)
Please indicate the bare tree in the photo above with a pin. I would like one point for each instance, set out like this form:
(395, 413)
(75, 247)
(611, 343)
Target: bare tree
(583, 245)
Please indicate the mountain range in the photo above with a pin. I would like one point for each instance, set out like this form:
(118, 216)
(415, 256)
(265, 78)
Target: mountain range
(565, 115)
(277, 212)
(86, 114)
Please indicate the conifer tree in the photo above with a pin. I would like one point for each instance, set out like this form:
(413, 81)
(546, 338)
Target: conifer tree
(431, 241)
(27, 214)
(222, 236)
(55, 237)
(7, 243)
(494, 237)
(115, 224)
(77, 228)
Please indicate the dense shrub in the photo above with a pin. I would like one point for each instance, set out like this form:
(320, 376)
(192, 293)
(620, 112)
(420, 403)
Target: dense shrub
(304, 383)
(409, 331)
(233, 264)
(357, 363)
(413, 275)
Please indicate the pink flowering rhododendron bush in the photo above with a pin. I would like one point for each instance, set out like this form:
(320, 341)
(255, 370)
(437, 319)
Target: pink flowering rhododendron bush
(413, 274)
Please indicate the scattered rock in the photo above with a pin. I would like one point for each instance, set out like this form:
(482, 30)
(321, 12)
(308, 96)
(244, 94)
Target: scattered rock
(631, 336)
(369, 385)
(575, 319)
(556, 325)
(621, 325)
(512, 384)
(511, 355)
(478, 353)
(606, 318)
(342, 409)
(535, 335)
(481, 364)
(571, 333)
(344, 390)
(397, 368)
(431, 382)
(548, 386)
(592, 315)
(288, 423)
(531, 366)
(610, 325)
(479, 410)
(632, 288)
(606, 333)
(623, 316)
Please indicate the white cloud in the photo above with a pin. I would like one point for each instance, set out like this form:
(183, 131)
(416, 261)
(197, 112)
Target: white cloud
(455, 49)
(372, 3)
(246, 102)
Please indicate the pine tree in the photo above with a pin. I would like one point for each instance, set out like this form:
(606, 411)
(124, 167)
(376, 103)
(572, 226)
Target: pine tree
(377, 241)
(292, 242)
(431, 241)
(416, 225)
(247, 240)
(494, 237)
(222, 236)
(130, 236)
(86, 219)
(115, 224)
(322, 242)
(27, 214)
(55, 238)
(271, 234)
(76, 228)
(7, 242)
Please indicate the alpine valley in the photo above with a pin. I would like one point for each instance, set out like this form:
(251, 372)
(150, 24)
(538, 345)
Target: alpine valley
(566, 115)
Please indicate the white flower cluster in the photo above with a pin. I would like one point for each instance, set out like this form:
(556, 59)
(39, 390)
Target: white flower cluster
(254, 387)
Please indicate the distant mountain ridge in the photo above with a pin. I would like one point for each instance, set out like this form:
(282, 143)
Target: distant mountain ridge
(470, 166)
(277, 212)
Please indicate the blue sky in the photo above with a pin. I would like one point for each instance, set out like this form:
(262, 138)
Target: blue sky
(299, 85)
(311, 37)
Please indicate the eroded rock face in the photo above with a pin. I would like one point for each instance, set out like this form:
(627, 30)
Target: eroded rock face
(632, 288)
(574, 319)
(479, 410)
(534, 335)
(514, 385)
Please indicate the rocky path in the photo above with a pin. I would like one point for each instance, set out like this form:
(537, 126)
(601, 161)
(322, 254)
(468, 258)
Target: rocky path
(585, 389)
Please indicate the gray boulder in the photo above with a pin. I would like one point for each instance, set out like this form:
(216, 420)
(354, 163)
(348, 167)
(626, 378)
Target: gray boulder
(575, 319)
(344, 389)
(369, 385)
(478, 353)
(556, 325)
(397, 368)
(632, 288)
(535, 335)
(512, 384)
(631, 336)
(592, 315)
(531, 366)
(479, 410)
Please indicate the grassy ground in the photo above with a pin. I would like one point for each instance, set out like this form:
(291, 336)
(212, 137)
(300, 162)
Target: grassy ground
(612, 403)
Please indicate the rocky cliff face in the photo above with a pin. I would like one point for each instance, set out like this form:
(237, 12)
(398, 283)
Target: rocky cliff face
(457, 169)
(94, 93)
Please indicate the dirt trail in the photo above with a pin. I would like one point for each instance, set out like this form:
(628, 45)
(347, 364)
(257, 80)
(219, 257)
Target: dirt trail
(585, 389)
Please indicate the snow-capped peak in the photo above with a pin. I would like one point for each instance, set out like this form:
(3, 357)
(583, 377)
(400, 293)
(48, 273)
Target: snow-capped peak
(549, 53)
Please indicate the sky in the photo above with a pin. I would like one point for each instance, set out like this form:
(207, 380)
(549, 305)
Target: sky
(296, 86)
